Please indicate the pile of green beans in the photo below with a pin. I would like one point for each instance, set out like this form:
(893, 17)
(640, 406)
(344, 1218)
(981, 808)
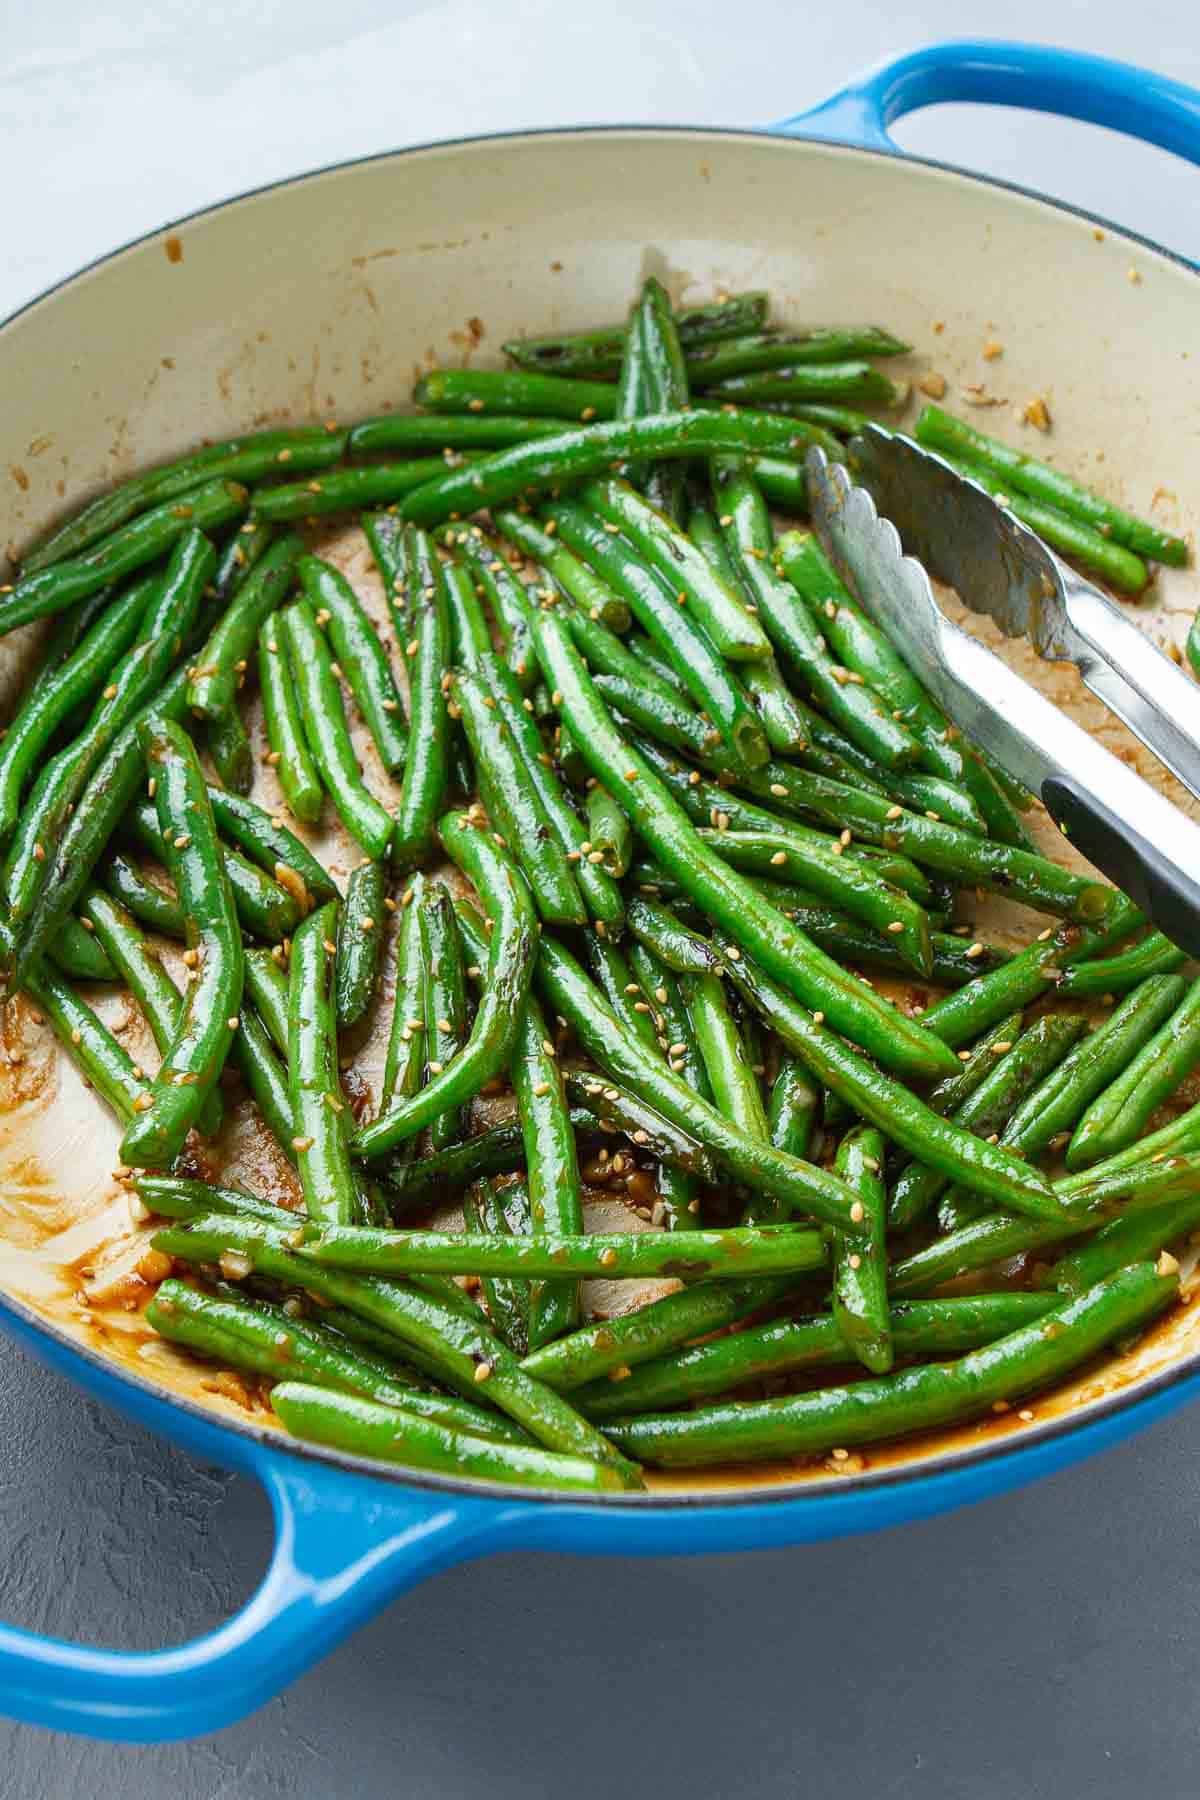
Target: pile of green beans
(659, 883)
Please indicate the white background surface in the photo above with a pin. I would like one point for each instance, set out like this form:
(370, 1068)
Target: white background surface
(1047, 1644)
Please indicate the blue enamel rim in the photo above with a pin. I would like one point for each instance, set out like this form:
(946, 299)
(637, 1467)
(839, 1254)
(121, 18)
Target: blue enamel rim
(1145, 1397)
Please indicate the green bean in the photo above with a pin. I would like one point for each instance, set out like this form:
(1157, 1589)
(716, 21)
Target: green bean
(454, 1339)
(289, 753)
(425, 773)
(609, 834)
(1019, 874)
(613, 1345)
(614, 977)
(104, 1063)
(914, 1399)
(195, 1056)
(1019, 471)
(498, 1151)
(733, 1082)
(328, 735)
(264, 906)
(219, 667)
(76, 952)
(170, 603)
(514, 805)
(345, 490)
(267, 987)
(784, 484)
(850, 380)
(997, 1238)
(418, 431)
(763, 842)
(769, 350)
(574, 455)
(1018, 1067)
(238, 459)
(955, 960)
(794, 1103)
(846, 421)
(666, 718)
(552, 1164)
(360, 656)
(1118, 1115)
(392, 1434)
(691, 653)
(866, 651)
(150, 904)
(600, 892)
(618, 1255)
(855, 708)
(446, 1027)
(724, 895)
(624, 1059)
(506, 1298)
(317, 1103)
(899, 1114)
(782, 1346)
(245, 546)
(860, 1301)
(108, 793)
(404, 1063)
(157, 996)
(265, 1340)
(714, 603)
(510, 607)
(514, 392)
(582, 585)
(230, 752)
(47, 705)
(937, 799)
(1135, 1239)
(599, 352)
(604, 650)
(664, 385)
(957, 1018)
(663, 992)
(359, 943)
(1180, 1137)
(470, 637)
(65, 583)
(1154, 955)
(641, 1122)
(677, 1188)
(511, 951)
(384, 532)
(875, 902)
(1057, 1103)
(682, 950)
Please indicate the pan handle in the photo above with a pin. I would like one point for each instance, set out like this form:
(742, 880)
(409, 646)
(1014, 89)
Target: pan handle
(344, 1547)
(992, 72)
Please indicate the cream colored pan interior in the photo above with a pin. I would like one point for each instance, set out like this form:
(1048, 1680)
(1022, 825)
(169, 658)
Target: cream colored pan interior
(324, 298)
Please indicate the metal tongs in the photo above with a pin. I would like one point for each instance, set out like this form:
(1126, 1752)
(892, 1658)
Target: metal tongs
(895, 496)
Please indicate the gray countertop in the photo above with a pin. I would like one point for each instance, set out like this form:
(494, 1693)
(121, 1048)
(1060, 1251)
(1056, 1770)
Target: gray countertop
(1042, 1644)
